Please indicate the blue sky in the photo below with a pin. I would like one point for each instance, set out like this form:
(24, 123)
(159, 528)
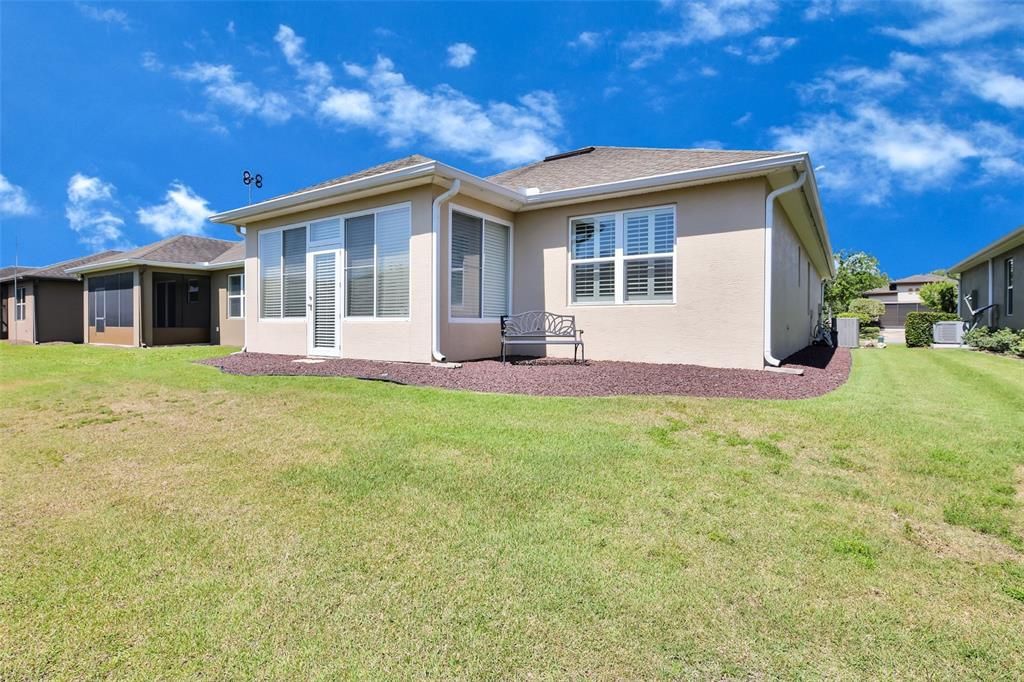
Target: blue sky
(124, 123)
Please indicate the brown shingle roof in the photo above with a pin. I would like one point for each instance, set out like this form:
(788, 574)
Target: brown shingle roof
(235, 253)
(613, 164)
(923, 279)
(397, 164)
(182, 248)
(7, 272)
(57, 270)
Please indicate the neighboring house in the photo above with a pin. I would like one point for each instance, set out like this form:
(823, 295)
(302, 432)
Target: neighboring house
(183, 289)
(902, 296)
(990, 277)
(42, 305)
(663, 255)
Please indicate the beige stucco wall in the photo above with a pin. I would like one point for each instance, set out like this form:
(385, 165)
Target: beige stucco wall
(717, 317)
(374, 339)
(226, 331)
(22, 331)
(795, 298)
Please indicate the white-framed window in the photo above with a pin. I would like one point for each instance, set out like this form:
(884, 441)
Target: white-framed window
(282, 256)
(1008, 295)
(377, 263)
(479, 266)
(623, 257)
(19, 303)
(236, 296)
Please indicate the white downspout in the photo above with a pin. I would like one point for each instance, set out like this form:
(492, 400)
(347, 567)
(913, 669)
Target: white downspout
(990, 293)
(769, 226)
(241, 231)
(435, 287)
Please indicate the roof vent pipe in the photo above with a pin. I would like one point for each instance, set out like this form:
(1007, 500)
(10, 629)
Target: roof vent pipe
(769, 226)
(435, 285)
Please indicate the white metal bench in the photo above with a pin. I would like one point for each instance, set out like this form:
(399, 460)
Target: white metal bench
(538, 327)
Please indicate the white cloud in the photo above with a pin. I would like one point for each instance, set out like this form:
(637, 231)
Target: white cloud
(869, 150)
(13, 199)
(708, 71)
(588, 40)
(90, 212)
(988, 81)
(111, 16)
(701, 22)
(952, 22)
(222, 87)
(444, 117)
(826, 9)
(150, 61)
(231, 27)
(744, 119)
(862, 82)
(460, 55)
(316, 74)
(348, 106)
(182, 212)
(709, 144)
(767, 49)
(207, 120)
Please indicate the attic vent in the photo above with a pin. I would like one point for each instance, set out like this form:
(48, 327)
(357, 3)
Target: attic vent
(566, 155)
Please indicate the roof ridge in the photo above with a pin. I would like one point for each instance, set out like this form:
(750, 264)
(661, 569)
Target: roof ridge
(78, 258)
(696, 149)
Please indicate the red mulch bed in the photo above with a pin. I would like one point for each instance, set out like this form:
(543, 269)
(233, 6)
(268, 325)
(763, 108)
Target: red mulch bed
(824, 371)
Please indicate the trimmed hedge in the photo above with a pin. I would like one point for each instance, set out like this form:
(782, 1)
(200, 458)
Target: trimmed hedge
(919, 327)
(996, 340)
(870, 332)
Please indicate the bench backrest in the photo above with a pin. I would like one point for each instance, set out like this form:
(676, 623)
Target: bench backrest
(538, 323)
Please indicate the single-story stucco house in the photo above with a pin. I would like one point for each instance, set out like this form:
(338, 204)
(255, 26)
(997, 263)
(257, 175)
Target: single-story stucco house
(43, 304)
(988, 278)
(183, 289)
(697, 256)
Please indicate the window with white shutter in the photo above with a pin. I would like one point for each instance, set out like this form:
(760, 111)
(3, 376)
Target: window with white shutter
(282, 255)
(377, 263)
(626, 257)
(479, 266)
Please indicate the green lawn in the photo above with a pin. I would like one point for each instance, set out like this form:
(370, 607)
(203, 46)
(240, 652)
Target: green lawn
(160, 519)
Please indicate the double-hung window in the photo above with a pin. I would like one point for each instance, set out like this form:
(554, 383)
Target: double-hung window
(1008, 295)
(479, 267)
(236, 296)
(625, 257)
(283, 273)
(377, 263)
(19, 303)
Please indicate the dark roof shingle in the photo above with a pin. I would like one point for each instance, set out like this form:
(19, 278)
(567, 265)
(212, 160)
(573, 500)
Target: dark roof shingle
(182, 248)
(57, 270)
(614, 164)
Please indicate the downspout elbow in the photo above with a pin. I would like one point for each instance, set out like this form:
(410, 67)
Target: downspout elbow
(769, 226)
(435, 286)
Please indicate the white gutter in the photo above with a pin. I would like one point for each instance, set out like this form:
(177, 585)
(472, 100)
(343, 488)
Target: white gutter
(125, 262)
(435, 285)
(769, 225)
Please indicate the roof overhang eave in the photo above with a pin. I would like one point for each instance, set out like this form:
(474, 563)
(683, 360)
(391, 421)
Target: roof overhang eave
(135, 262)
(1010, 241)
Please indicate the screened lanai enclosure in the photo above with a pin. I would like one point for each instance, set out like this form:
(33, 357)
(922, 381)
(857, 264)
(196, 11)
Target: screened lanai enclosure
(181, 308)
(112, 308)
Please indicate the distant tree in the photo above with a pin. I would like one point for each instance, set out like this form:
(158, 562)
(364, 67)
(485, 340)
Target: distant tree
(856, 272)
(866, 309)
(943, 272)
(940, 296)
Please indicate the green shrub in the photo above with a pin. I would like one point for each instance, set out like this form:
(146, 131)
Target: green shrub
(996, 340)
(870, 332)
(940, 296)
(919, 327)
(866, 309)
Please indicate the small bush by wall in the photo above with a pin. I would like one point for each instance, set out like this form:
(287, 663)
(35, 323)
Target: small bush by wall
(870, 332)
(996, 340)
(919, 327)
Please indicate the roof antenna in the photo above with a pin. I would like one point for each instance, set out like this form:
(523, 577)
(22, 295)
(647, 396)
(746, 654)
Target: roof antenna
(248, 179)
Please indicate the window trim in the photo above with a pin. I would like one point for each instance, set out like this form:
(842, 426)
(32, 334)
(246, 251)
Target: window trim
(1008, 286)
(240, 296)
(259, 274)
(459, 208)
(21, 307)
(343, 251)
(620, 258)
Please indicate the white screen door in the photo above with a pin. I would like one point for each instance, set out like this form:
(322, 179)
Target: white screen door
(324, 303)
(101, 310)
